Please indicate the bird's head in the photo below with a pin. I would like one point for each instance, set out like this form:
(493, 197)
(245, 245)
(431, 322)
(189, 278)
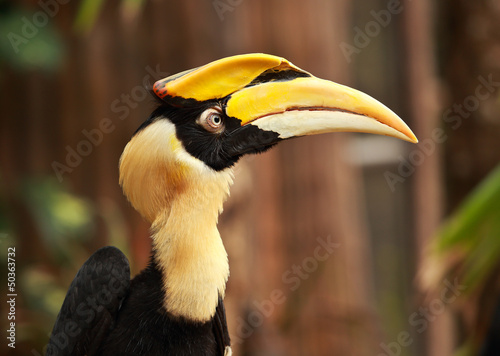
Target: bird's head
(212, 115)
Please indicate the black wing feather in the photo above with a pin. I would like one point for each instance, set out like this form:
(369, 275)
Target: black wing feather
(91, 305)
(219, 326)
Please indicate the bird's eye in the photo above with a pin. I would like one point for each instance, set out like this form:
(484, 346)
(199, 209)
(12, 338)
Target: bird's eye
(214, 120)
(211, 120)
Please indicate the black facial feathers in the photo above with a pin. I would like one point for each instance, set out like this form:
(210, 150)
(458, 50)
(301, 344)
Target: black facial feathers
(217, 150)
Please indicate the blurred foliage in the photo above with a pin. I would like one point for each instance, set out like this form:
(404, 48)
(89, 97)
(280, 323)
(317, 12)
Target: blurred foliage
(87, 15)
(65, 224)
(89, 11)
(469, 239)
(27, 42)
(467, 247)
(30, 41)
(63, 219)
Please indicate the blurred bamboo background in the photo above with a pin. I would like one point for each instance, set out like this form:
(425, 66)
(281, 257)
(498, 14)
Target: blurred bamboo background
(74, 84)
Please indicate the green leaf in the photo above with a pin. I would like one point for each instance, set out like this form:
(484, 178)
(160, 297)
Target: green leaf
(473, 232)
(481, 206)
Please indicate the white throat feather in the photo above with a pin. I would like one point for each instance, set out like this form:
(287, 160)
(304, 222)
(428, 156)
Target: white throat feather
(182, 198)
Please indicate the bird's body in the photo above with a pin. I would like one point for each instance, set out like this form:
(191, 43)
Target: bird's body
(117, 316)
(176, 172)
(144, 328)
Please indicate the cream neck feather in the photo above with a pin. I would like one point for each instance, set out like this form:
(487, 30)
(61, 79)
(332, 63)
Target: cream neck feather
(182, 198)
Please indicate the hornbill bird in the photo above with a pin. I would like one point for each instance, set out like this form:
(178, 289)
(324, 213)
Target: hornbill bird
(176, 172)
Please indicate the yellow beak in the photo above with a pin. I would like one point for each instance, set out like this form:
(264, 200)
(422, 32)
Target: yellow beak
(308, 106)
(274, 95)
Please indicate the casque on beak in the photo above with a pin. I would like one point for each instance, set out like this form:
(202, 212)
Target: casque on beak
(279, 99)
